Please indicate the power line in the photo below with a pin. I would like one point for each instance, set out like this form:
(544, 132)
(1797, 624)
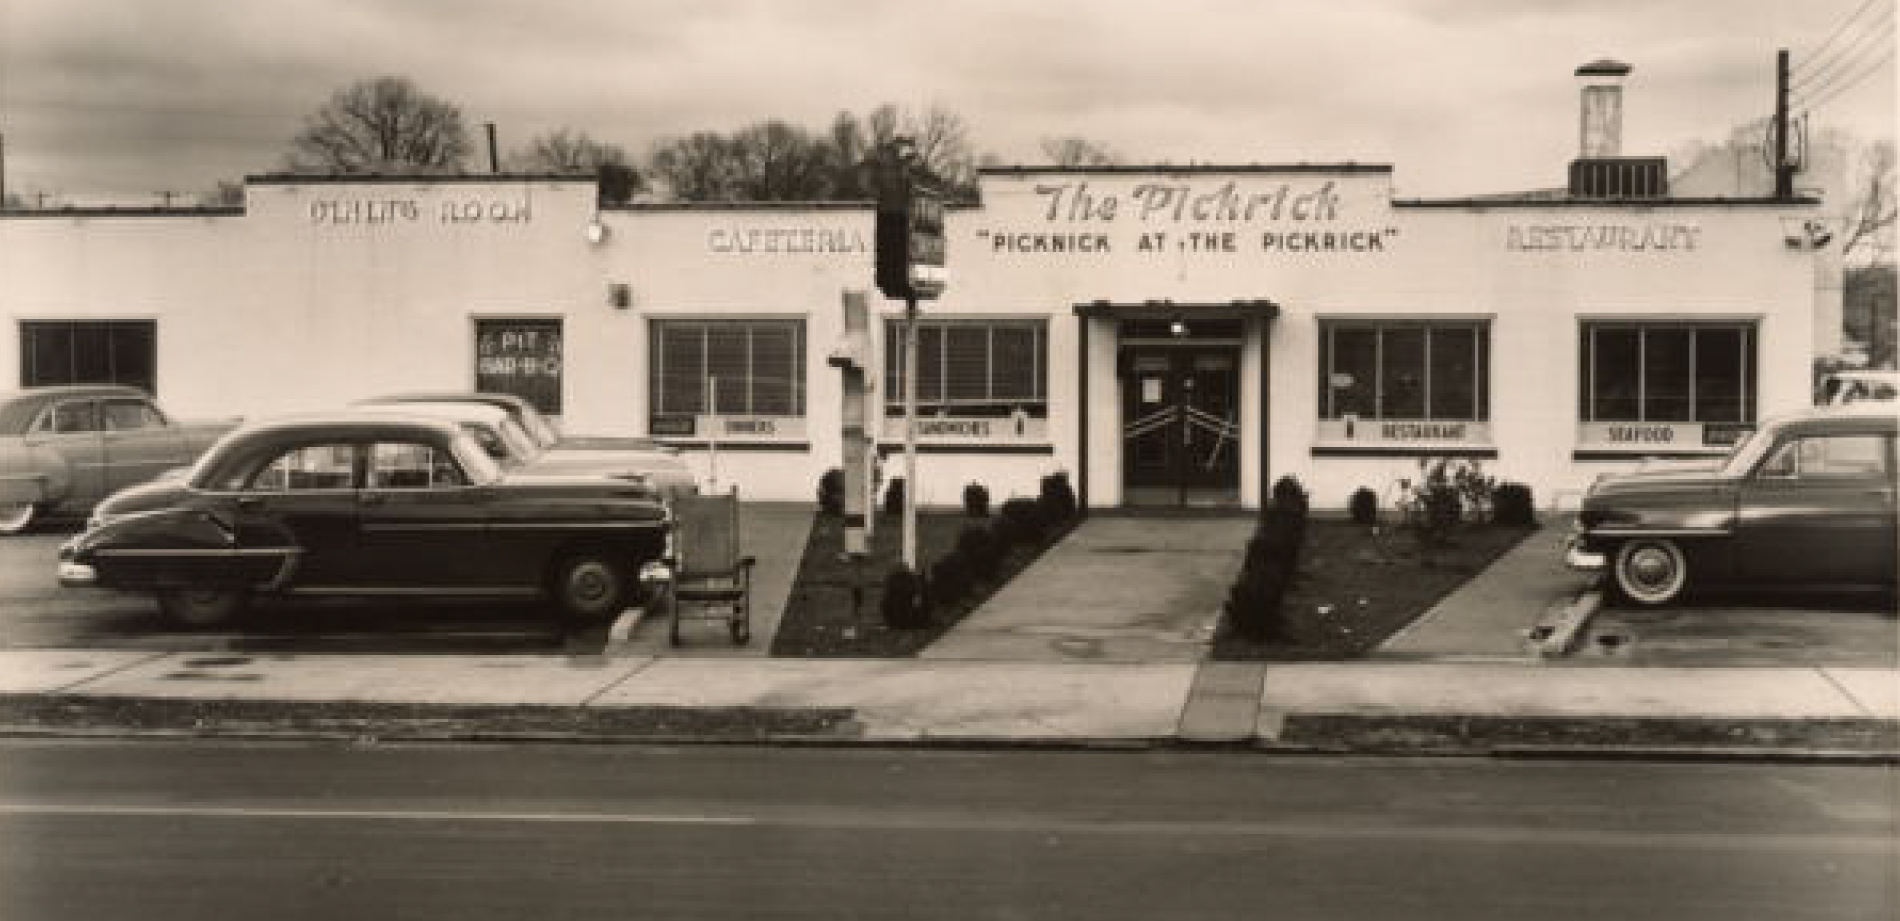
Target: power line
(1821, 99)
(1818, 49)
(1881, 28)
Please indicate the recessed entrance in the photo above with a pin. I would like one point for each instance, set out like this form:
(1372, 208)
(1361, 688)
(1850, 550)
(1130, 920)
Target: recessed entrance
(1180, 399)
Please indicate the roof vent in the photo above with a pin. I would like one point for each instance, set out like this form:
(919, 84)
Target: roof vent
(1619, 177)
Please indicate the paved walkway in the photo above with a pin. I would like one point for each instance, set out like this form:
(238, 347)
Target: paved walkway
(907, 699)
(773, 532)
(1117, 589)
(1488, 617)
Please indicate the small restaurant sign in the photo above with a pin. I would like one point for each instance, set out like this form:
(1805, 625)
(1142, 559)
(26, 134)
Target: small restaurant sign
(1015, 429)
(1354, 432)
(1658, 437)
(735, 429)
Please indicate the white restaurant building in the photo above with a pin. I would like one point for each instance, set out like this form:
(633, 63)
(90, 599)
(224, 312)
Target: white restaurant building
(1165, 334)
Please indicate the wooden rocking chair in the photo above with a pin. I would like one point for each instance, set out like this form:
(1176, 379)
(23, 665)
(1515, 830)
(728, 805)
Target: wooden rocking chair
(711, 579)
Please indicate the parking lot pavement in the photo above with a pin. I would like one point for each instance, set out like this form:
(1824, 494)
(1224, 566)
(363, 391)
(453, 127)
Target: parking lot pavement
(1815, 630)
(36, 612)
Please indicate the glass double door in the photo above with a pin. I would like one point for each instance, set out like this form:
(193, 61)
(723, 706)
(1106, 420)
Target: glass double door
(1180, 424)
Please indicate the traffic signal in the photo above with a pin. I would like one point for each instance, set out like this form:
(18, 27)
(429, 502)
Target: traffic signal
(910, 245)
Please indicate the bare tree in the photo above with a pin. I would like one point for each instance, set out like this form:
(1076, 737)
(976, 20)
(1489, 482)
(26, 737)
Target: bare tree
(1870, 218)
(382, 124)
(698, 167)
(1073, 150)
(564, 151)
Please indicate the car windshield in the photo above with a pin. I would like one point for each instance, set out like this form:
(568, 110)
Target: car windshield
(1746, 452)
(481, 468)
(538, 427)
(521, 448)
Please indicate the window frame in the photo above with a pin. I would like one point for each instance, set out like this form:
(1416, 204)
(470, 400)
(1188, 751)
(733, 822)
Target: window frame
(1481, 374)
(787, 427)
(893, 371)
(1748, 351)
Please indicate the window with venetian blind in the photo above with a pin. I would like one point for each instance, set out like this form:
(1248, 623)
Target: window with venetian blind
(971, 368)
(755, 368)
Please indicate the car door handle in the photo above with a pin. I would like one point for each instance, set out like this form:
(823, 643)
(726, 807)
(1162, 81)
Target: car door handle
(250, 503)
(372, 498)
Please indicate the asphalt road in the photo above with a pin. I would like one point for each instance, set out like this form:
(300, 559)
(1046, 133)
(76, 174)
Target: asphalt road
(155, 831)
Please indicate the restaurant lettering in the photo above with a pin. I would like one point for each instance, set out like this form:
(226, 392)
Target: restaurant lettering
(1642, 434)
(785, 240)
(1183, 217)
(1422, 431)
(1628, 238)
(343, 212)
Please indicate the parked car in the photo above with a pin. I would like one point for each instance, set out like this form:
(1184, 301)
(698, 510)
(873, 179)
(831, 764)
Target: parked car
(1806, 501)
(508, 423)
(1857, 386)
(367, 503)
(64, 448)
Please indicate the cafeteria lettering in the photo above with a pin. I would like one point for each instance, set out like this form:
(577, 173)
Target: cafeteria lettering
(1422, 431)
(785, 240)
(1630, 238)
(1632, 434)
(1180, 202)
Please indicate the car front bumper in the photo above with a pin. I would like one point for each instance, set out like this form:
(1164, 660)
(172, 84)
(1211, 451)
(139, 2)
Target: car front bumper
(1582, 560)
(77, 575)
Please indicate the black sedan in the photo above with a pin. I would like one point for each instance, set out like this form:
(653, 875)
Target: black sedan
(1806, 502)
(367, 504)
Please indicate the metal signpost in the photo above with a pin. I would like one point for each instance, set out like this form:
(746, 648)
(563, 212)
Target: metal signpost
(910, 265)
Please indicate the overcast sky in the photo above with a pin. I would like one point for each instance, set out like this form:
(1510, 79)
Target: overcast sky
(121, 98)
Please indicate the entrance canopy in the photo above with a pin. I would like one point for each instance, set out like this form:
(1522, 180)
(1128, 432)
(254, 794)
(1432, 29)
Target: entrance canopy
(1170, 310)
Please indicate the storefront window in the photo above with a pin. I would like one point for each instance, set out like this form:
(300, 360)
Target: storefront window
(981, 369)
(756, 368)
(1656, 372)
(1650, 387)
(89, 352)
(522, 357)
(1404, 370)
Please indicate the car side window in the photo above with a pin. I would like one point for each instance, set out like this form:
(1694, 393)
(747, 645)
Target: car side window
(69, 418)
(1828, 457)
(326, 466)
(407, 465)
(131, 415)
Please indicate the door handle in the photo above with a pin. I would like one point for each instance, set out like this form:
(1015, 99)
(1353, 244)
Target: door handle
(372, 498)
(250, 503)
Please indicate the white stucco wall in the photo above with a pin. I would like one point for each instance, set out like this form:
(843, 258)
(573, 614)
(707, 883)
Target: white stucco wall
(320, 293)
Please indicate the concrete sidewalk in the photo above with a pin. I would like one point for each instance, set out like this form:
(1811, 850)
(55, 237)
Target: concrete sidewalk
(1489, 617)
(1116, 589)
(978, 701)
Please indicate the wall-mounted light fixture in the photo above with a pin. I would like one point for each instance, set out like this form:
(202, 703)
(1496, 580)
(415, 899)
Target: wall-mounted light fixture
(619, 295)
(595, 231)
(1805, 233)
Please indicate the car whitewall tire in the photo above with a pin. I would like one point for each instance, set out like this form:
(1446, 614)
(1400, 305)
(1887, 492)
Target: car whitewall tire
(15, 517)
(1650, 570)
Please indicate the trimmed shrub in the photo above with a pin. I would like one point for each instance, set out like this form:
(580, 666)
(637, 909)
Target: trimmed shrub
(1267, 570)
(1020, 521)
(949, 579)
(1511, 505)
(831, 492)
(1057, 498)
(976, 500)
(894, 497)
(980, 551)
(1290, 496)
(903, 602)
(1364, 506)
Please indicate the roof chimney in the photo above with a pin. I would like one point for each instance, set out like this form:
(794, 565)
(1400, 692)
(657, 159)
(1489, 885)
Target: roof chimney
(1602, 124)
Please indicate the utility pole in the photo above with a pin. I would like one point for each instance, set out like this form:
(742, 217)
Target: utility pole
(3, 171)
(1784, 170)
(494, 161)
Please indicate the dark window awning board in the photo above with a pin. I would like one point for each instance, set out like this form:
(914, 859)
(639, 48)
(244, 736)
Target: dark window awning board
(1171, 310)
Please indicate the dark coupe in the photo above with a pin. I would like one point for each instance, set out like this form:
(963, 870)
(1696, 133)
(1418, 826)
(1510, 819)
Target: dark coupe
(363, 504)
(1807, 501)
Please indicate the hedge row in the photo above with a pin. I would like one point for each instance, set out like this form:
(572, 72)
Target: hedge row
(1272, 558)
(979, 552)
